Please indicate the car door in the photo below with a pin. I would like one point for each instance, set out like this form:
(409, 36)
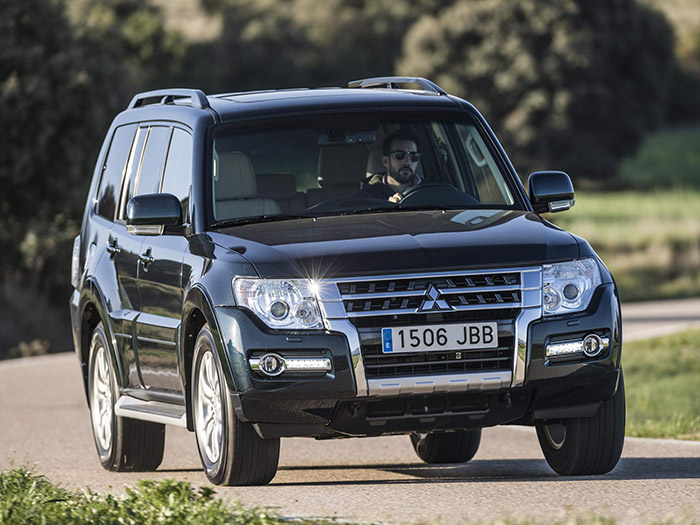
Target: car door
(160, 271)
(122, 251)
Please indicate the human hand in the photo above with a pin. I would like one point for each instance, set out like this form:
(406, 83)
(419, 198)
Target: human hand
(396, 197)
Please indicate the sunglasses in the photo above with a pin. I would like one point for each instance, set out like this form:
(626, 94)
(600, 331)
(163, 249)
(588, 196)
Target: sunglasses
(413, 156)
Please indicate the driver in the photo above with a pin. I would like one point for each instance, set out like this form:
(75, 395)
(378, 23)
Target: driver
(400, 157)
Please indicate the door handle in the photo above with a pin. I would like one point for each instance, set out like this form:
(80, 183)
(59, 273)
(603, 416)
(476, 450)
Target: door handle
(146, 258)
(113, 247)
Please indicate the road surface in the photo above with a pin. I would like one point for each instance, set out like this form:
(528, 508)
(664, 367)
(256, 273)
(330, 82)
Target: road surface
(44, 424)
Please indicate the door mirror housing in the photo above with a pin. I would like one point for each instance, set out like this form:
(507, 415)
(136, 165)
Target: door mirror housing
(150, 214)
(550, 191)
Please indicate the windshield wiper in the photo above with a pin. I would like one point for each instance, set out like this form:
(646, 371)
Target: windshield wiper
(262, 218)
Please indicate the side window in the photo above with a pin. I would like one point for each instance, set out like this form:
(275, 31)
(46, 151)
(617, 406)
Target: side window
(178, 168)
(132, 167)
(148, 178)
(113, 171)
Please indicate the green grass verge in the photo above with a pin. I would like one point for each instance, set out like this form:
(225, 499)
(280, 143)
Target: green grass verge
(662, 381)
(26, 498)
(650, 241)
(669, 158)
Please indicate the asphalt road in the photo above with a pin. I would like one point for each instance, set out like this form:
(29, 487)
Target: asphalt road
(44, 424)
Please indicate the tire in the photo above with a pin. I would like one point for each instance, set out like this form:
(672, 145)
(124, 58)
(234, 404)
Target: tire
(231, 451)
(586, 446)
(123, 444)
(447, 447)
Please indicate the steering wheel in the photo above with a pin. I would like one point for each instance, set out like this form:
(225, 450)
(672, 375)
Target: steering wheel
(438, 193)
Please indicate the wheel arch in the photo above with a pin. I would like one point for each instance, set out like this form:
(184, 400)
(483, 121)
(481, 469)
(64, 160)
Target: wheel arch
(92, 312)
(198, 311)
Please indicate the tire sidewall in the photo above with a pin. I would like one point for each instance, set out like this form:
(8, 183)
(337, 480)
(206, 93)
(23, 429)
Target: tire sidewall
(98, 341)
(203, 345)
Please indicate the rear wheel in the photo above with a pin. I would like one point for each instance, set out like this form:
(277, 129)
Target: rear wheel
(447, 447)
(231, 451)
(586, 446)
(122, 443)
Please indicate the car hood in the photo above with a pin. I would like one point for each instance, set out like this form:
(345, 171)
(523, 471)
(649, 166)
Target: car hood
(398, 242)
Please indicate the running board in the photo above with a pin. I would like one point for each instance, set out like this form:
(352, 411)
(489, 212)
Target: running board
(154, 411)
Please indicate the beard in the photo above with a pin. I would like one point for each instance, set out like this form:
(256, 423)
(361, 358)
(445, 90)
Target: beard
(403, 175)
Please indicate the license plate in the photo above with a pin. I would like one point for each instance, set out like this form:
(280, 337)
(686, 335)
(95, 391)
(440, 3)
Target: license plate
(439, 337)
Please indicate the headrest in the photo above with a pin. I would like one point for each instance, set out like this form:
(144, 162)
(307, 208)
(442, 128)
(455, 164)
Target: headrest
(277, 186)
(236, 177)
(342, 165)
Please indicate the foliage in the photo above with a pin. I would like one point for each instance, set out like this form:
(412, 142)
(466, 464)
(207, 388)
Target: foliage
(663, 394)
(650, 241)
(572, 84)
(309, 43)
(667, 159)
(58, 92)
(152, 55)
(26, 498)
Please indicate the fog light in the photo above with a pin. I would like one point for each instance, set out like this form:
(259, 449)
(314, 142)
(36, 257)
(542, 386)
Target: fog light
(271, 365)
(592, 345)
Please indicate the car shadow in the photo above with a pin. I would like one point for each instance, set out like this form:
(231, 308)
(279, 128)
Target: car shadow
(505, 470)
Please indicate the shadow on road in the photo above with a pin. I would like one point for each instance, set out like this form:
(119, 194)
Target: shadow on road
(506, 471)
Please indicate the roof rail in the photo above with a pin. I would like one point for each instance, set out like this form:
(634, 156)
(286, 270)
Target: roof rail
(168, 96)
(395, 83)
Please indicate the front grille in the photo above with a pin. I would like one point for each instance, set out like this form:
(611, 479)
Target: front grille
(378, 364)
(409, 294)
(373, 304)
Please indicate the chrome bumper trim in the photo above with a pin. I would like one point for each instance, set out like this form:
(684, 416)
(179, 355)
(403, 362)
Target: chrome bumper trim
(473, 382)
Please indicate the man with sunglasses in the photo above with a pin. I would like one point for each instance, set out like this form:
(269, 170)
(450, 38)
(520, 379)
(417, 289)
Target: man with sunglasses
(400, 157)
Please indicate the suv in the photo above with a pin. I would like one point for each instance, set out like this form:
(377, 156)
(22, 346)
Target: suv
(238, 274)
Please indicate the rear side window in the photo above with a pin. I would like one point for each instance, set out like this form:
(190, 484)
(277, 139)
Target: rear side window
(178, 168)
(113, 171)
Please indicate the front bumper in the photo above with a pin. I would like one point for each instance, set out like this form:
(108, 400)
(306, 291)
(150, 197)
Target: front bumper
(329, 405)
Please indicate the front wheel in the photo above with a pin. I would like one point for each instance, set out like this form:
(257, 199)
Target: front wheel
(586, 446)
(447, 447)
(231, 451)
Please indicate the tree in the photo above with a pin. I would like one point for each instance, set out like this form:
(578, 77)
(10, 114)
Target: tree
(58, 93)
(569, 84)
(286, 43)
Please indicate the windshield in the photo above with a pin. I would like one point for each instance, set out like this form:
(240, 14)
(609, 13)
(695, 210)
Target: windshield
(354, 164)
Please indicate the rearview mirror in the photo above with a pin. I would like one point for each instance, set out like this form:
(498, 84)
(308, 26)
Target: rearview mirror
(550, 191)
(150, 214)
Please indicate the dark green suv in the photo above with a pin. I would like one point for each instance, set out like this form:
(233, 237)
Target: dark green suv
(341, 262)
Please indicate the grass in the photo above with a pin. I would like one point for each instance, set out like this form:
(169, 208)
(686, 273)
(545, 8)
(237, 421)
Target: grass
(667, 158)
(27, 498)
(650, 241)
(662, 381)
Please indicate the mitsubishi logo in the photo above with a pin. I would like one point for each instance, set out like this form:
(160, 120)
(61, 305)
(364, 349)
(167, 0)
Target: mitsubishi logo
(434, 302)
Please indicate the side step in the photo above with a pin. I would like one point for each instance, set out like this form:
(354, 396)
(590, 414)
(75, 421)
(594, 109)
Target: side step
(154, 411)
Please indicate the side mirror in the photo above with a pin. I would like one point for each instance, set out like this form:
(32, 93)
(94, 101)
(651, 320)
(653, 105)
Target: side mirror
(150, 214)
(550, 191)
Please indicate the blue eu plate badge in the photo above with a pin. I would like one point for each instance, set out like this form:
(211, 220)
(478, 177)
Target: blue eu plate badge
(386, 341)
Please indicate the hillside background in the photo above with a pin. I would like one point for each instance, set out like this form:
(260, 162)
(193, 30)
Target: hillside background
(607, 90)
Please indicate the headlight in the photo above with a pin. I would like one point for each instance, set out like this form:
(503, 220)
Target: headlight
(280, 303)
(568, 287)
